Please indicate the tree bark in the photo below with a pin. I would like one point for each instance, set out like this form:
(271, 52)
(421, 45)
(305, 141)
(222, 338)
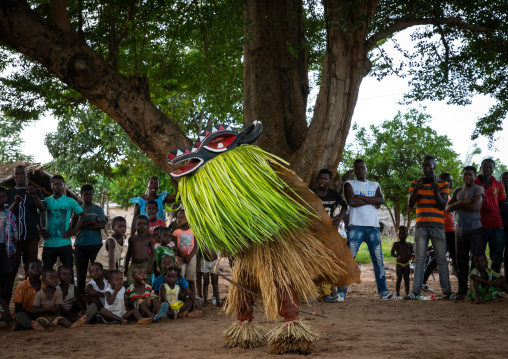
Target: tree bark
(66, 55)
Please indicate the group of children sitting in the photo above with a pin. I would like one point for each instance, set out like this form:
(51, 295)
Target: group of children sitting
(486, 284)
(161, 265)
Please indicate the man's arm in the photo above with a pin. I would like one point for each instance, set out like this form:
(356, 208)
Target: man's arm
(72, 232)
(473, 204)
(377, 200)
(394, 248)
(441, 198)
(38, 201)
(414, 194)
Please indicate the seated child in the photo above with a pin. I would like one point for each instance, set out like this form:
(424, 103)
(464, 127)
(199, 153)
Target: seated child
(151, 210)
(24, 296)
(166, 263)
(140, 247)
(111, 252)
(8, 239)
(139, 296)
(207, 259)
(96, 288)
(403, 251)
(164, 248)
(185, 249)
(47, 304)
(115, 309)
(170, 293)
(72, 302)
(485, 282)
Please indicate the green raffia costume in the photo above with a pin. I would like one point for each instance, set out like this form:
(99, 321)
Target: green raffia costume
(242, 201)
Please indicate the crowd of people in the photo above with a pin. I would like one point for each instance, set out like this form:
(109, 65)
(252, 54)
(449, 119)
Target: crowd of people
(168, 276)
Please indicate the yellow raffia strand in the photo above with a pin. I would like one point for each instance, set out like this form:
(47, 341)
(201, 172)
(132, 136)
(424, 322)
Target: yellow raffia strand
(237, 199)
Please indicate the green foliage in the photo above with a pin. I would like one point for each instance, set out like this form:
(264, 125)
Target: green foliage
(394, 151)
(11, 142)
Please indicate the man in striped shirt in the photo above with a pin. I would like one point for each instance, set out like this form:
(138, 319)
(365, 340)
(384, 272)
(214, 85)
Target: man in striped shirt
(430, 195)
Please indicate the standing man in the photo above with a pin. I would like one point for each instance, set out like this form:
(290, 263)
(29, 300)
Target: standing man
(57, 234)
(430, 196)
(363, 198)
(24, 202)
(492, 224)
(89, 240)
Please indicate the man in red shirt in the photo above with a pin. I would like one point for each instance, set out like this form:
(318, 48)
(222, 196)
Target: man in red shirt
(490, 212)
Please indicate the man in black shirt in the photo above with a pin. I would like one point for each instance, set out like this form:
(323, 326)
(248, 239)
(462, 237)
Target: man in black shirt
(330, 198)
(24, 201)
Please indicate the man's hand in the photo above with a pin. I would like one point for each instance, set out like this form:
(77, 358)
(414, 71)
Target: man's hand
(419, 184)
(70, 233)
(31, 191)
(44, 234)
(18, 199)
(435, 187)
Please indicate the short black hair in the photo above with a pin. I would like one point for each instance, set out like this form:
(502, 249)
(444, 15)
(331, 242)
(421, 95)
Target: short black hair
(469, 168)
(63, 266)
(403, 227)
(46, 272)
(20, 166)
(29, 263)
(154, 178)
(141, 216)
(503, 174)
(444, 176)
(481, 255)
(57, 176)
(152, 202)
(325, 170)
(118, 219)
(172, 258)
(358, 160)
(113, 272)
(87, 187)
(98, 264)
(488, 159)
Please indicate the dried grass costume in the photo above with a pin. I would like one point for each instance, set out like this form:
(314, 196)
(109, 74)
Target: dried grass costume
(242, 201)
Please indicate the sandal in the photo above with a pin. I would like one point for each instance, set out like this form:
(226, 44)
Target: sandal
(388, 297)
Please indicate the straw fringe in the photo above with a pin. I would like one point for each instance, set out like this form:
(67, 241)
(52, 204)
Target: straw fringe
(293, 337)
(245, 335)
(300, 263)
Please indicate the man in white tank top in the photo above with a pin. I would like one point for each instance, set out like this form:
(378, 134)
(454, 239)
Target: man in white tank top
(363, 198)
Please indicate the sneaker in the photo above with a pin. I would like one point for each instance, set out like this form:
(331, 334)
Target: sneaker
(426, 288)
(214, 301)
(412, 296)
(162, 314)
(388, 297)
(451, 296)
(330, 299)
(340, 298)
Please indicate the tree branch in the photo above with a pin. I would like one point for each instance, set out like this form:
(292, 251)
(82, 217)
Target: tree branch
(59, 14)
(406, 22)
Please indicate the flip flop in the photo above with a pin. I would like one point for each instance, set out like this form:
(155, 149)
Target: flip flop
(162, 313)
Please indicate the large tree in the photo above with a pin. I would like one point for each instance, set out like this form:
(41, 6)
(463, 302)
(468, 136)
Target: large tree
(460, 49)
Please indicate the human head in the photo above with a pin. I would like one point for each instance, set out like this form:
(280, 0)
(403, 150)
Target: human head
(151, 208)
(152, 185)
(402, 233)
(119, 225)
(65, 274)
(50, 278)
(115, 278)
(480, 261)
(164, 236)
(141, 223)
(96, 271)
(167, 262)
(360, 169)
(487, 167)
(469, 175)
(504, 179)
(3, 198)
(324, 178)
(181, 218)
(139, 274)
(57, 184)
(171, 276)
(445, 176)
(87, 193)
(429, 166)
(34, 268)
(20, 175)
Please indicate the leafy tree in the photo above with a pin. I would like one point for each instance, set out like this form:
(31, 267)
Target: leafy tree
(165, 68)
(11, 142)
(393, 153)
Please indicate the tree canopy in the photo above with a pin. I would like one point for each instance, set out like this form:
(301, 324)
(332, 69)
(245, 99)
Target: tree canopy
(163, 70)
(11, 142)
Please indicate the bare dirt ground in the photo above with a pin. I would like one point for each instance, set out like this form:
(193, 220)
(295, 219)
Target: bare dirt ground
(361, 327)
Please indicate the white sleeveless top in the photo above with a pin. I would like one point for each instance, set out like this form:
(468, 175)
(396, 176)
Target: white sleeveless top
(365, 215)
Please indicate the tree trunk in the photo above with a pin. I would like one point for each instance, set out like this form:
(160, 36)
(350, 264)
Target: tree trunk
(275, 73)
(59, 49)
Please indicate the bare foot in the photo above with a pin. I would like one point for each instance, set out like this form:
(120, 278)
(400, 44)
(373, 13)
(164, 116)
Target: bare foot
(37, 326)
(79, 322)
(183, 315)
(124, 322)
(195, 314)
(145, 321)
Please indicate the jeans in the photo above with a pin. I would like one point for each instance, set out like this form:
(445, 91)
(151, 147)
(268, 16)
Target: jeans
(495, 238)
(450, 246)
(51, 254)
(467, 241)
(84, 255)
(370, 235)
(438, 238)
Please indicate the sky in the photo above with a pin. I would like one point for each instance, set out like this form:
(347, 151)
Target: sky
(377, 102)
